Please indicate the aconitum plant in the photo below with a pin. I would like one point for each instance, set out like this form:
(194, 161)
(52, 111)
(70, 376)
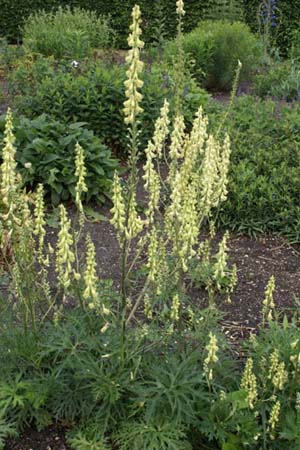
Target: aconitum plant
(268, 19)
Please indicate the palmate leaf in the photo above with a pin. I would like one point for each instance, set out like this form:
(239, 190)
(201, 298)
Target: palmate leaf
(152, 436)
(6, 430)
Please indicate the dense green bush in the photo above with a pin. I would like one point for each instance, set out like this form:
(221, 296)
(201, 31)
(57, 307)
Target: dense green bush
(46, 152)
(215, 48)
(264, 189)
(95, 94)
(66, 33)
(15, 11)
(281, 81)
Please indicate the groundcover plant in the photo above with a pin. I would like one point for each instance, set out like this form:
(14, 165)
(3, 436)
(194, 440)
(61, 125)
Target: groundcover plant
(140, 366)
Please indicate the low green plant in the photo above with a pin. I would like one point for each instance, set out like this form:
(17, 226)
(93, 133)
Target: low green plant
(280, 82)
(216, 47)
(263, 175)
(95, 94)
(66, 33)
(46, 152)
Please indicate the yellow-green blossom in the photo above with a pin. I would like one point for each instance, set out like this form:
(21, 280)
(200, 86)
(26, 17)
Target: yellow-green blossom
(133, 83)
(8, 167)
(177, 146)
(135, 223)
(224, 159)
(180, 7)
(274, 418)
(90, 273)
(209, 176)
(118, 209)
(39, 214)
(249, 383)
(277, 372)
(80, 173)
(221, 260)
(212, 356)
(148, 307)
(268, 302)
(64, 253)
(189, 226)
(175, 308)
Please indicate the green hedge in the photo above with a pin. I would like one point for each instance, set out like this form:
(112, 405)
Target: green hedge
(13, 13)
(289, 13)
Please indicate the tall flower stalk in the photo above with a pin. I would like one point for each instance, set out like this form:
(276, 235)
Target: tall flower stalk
(125, 215)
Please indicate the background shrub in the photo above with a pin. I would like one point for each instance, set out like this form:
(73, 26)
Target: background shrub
(66, 33)
(216, 47)
(49, 147)
(280, 81)
(95, 94)
(14, 12)
(264, 184)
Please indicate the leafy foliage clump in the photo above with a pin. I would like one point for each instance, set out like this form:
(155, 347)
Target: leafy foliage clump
(66, 33)
(46, 152)
(95, 94)
(263, 187)
(215, 47)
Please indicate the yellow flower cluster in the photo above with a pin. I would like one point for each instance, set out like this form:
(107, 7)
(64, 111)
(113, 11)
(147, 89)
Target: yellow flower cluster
(39, 214)
(214, 171)
(64, 253)
(249, 383)
(175, 308)
(274, 418)
(133, 83)
(180, 7)
(277, 372)
(135, 223)
(212, 357)
(80, 173)
(221, 263)
(118, 209)
(154, 151)
(268, 302)
(90, 273)
(8, 179)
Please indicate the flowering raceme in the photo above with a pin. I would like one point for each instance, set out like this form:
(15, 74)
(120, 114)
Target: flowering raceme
(133, 83)
(8, 167)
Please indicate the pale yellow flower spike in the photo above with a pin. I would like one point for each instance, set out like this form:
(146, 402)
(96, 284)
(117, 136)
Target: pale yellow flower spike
(221, 193)
(209, 176)
(268, 302)
(212, 356)
(180, 8)
(64, 253)
(135, 223)
(277, 372)
(133, 83)
(175, 308)
(189, 226)
(177, 139)
(153, 255)
(90, 273)
(118, 209)
(39, 214)
(80, 173)
(221, 264)
(274, 418)
(249, 383)
(161, 130)
(8, 167)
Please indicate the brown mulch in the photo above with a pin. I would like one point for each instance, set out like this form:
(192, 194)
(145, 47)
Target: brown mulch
(52, 438)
